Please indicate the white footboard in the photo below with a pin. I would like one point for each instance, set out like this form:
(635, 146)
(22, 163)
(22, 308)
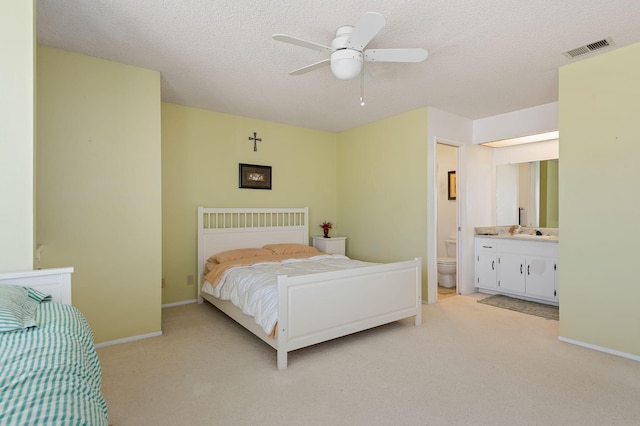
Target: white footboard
(320, 307)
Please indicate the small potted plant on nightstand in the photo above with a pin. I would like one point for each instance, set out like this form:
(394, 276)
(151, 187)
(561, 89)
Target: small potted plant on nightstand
(325, 228)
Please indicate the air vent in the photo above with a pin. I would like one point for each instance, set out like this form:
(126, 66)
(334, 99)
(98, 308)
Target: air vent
(589, 48)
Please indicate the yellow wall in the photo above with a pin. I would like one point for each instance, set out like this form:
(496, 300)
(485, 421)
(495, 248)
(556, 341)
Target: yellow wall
(98, 187)
(549, 217)
(382, 189)
(201, 151)
(599, 178)
(17, 47)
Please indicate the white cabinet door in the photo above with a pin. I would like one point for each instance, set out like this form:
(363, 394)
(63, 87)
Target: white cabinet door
(486, 263)
(557, 282)
(511, 275)
(486, 276)
(540, 278)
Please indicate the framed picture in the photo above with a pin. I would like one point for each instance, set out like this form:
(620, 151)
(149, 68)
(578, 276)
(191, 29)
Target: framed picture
(254, 176)
(452, 185)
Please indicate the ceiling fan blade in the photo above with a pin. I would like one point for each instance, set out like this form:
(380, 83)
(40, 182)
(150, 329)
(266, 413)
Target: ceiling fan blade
(395, 55)
(302, 43)
(311, 67)
(365, 30)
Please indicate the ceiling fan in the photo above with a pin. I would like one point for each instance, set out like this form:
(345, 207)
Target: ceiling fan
(347, 49)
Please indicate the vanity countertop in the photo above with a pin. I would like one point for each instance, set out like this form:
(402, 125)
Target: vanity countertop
(520, 233)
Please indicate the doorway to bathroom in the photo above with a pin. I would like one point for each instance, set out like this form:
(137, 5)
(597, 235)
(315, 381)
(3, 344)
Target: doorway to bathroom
(447, 215)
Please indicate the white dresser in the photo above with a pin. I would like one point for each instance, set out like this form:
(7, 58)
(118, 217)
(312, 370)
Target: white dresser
(332, 245)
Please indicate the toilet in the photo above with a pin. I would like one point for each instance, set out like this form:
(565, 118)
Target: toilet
(447, 265)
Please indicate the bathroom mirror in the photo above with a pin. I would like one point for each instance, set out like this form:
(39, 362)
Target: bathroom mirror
(527, 194)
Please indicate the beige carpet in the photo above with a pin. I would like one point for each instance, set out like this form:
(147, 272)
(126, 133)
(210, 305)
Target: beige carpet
(468, 364)
(523, 306)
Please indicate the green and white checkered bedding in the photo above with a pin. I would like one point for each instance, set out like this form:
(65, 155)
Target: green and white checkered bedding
(50, 374)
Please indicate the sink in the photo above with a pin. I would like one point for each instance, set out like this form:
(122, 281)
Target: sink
(535, 237)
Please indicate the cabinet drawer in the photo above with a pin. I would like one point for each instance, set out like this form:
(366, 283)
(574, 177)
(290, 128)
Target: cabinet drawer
(486, 244)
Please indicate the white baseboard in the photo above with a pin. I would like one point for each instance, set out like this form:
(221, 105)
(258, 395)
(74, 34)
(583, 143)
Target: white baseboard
(599, 348)
(128, 339)
(184, 302)
(143, 336)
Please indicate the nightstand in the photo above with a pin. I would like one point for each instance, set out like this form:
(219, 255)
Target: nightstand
(333, 245)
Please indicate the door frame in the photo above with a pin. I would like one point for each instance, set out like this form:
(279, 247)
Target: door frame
(462, 286)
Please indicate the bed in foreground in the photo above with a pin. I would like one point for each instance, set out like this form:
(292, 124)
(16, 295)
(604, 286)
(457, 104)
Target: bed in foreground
(311, 308)
(49, 369)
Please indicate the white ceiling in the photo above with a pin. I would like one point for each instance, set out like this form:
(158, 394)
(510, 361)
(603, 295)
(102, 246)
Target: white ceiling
(485, 57)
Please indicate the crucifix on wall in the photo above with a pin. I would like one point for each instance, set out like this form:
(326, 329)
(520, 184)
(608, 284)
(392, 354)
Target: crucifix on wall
(255, 140)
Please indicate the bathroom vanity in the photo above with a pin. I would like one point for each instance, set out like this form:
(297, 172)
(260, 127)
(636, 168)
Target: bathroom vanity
(522, 265)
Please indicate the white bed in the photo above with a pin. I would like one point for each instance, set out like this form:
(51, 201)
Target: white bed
(354, 299)
(55, 281)
(50, 369)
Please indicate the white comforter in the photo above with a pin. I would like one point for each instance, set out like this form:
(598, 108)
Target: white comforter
(254, 288)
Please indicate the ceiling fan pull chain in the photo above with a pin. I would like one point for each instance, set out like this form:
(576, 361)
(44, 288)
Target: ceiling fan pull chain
(362, 86)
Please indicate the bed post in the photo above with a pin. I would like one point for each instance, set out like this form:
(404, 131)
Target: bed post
(283, 322)
(282, 359)
(418, 290)
(200, 251)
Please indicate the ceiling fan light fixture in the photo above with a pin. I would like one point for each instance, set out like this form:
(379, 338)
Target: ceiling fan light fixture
(346, 64)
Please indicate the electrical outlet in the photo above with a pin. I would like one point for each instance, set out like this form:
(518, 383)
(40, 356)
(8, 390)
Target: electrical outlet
(163, 283)
(189, 279)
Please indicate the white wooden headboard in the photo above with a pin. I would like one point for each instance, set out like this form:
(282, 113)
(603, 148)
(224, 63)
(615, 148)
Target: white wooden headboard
(56, 282)
(221, 229)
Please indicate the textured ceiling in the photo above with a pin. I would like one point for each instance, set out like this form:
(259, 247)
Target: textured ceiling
(485, 57)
